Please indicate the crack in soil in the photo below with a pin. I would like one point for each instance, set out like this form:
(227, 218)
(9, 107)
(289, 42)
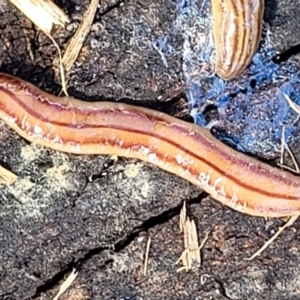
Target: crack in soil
(121, 244)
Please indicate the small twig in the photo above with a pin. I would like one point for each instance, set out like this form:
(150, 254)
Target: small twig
(147, 256)
(292, 104)
(7, 177)
(61, 68)
(191, 244)
(182, 217)
(44, 14)
(79, 37)
(66, 284)
(284, 145)
(271, 240)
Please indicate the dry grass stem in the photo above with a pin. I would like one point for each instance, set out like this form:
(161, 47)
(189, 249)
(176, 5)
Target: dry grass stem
(43, 13)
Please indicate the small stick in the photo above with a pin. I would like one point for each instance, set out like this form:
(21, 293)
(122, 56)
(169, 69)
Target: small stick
(66, 284)
(271, 240)
(7, 177)
(147, 256)
(79, 37)
(191, 244)
(44, 14)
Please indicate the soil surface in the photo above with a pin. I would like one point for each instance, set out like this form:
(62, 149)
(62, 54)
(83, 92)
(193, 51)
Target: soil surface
(96, 214)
